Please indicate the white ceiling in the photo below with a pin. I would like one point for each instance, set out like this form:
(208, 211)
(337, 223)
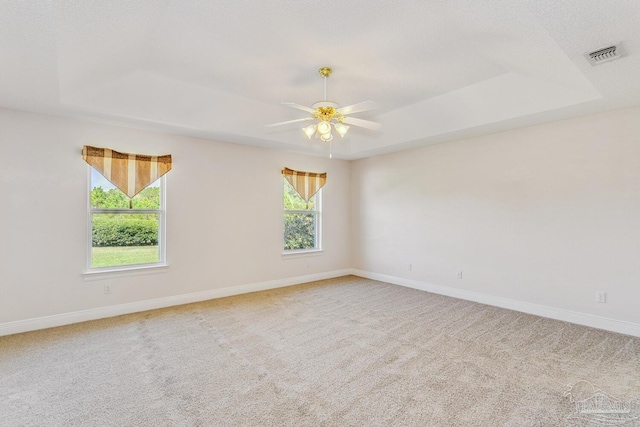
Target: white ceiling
(219, 69)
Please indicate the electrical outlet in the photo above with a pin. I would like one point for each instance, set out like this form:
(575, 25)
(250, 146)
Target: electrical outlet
(601, 297)
(459, 275)
(107, 288)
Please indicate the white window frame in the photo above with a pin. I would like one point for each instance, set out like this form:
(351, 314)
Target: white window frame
(318, 231)
(130, 268)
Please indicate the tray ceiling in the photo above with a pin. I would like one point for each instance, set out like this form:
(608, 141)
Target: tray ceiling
(438, 70)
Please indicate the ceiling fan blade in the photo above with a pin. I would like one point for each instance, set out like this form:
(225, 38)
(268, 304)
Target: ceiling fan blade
(357, 108)
(289, 121)
(362, 123)
(299, 107)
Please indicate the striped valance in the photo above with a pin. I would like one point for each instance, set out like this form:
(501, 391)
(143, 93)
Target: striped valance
(131, 173)
(306, 183)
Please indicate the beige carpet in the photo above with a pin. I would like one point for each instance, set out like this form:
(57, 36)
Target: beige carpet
(341, 352)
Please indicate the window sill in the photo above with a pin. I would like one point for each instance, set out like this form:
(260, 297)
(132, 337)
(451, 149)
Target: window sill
(110, 273)
(302, 253)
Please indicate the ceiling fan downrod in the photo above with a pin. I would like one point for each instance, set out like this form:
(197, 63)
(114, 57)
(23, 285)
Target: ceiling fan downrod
(325, 72)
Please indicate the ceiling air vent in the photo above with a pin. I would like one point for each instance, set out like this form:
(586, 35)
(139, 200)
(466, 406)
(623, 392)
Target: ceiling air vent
(605, 54)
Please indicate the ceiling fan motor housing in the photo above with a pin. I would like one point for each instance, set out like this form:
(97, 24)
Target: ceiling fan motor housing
(326, 111)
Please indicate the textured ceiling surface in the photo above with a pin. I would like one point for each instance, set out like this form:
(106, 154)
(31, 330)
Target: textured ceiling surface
(437, 70)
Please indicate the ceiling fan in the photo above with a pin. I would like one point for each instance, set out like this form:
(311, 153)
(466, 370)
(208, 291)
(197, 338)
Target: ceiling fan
(327, 113)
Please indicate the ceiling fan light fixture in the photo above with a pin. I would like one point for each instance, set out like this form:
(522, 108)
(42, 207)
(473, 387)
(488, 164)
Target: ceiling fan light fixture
(326, 137)
(324, 128)
(342, 129)
(309, 131)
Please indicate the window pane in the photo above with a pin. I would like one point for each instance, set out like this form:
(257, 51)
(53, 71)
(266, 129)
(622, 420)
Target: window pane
(124, 239)
(299, 231)
(293, 201)
(105, 195)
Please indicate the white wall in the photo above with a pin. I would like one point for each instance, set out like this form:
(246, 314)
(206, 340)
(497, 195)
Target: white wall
(224, 216)
(545, 215)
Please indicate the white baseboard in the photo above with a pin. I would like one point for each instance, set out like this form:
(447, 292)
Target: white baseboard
(590, 320)
(152, 304)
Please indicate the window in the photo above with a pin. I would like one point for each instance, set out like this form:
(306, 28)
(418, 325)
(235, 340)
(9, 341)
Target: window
(124, 234)
(301, 220)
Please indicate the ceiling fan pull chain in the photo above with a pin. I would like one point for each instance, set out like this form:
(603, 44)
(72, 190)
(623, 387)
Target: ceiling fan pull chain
(330, 151)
